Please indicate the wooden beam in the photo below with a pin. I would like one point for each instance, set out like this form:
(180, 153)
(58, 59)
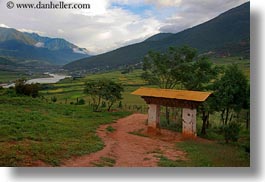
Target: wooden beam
(171, 102)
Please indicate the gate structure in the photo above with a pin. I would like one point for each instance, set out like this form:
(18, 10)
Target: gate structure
(187, 100)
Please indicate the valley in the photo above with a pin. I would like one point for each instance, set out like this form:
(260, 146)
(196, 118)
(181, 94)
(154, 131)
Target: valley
(82, 113)
(48, 133)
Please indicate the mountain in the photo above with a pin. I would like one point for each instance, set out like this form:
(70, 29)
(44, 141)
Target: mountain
(7, 34)
(226, 35)
(55, 44)
(30, 46)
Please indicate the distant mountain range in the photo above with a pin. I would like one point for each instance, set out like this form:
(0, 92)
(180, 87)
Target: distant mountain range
(16, 45)
(226, 35)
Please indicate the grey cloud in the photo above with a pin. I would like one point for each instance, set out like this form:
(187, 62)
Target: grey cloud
(114, 27)
(194, 12)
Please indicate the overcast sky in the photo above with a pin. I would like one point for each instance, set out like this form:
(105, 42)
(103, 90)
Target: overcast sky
(110, 24)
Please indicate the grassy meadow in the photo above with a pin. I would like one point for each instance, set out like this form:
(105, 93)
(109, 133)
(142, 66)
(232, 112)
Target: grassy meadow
(7, 76)
(34, 131)
(39, 131)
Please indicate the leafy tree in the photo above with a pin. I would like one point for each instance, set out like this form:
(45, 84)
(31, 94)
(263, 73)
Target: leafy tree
(199, 75)
(120, 104)
(231, 92)
(246, 106)
(95, 89)
(103, 104)
(166, 69)
(113, 93)
(103, 90)
(22, 88)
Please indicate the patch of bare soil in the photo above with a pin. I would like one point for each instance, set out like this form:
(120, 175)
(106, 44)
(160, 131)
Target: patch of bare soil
(131, 145)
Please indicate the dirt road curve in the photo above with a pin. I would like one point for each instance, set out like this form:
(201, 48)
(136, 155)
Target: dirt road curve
(124, 149)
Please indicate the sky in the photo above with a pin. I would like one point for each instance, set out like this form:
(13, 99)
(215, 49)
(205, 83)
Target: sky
(110, 24)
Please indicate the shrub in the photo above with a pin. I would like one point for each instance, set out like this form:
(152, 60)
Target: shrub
(81, 102)
(110, 129)
(231, 132)
(103, 104)
(174, 126)
(120, 105)
(53, 99)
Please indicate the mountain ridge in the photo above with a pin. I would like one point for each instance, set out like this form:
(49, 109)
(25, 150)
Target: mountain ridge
(22, 45)
(217, 35)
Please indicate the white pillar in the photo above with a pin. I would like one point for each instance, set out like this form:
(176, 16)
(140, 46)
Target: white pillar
(189, 122)
(154, 115)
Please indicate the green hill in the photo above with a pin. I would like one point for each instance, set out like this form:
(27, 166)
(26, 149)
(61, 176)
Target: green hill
(226, 35)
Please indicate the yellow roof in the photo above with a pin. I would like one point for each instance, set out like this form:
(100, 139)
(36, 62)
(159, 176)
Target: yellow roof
(173, 94)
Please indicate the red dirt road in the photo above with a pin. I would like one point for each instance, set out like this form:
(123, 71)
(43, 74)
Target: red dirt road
(123, 149)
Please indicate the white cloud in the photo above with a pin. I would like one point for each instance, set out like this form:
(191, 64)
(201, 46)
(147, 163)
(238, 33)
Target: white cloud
(80, 51)
(60, 31)
(4, 26)
(163, 3)
(31, 31)
(103, 27)
(39, 44)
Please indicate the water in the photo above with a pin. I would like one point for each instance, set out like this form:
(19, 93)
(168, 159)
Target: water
(54, 78)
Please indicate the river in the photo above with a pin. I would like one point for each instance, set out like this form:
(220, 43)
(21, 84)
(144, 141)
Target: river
(54, 78)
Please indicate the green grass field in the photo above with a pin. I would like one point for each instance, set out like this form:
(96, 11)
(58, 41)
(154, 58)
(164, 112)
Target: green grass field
(34, 130)
(11, 76)
(208, 154)
(7, 76)
(38, 130)
(73, 89)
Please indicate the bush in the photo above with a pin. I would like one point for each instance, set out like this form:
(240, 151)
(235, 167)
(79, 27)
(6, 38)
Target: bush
(53, 99)
(231, 132)
(110, 129)
(81, 102)
(103, 105)
(120, 105)
(173, 126)
(9, 92)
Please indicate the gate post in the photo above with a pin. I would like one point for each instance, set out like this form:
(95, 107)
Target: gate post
(154, 116)
(189, 122)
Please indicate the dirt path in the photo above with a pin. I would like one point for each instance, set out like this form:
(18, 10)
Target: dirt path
(124, 149)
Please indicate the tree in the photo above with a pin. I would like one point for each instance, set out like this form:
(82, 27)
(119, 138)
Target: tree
(95, 89)
(103, 90)
(246, 106)
(113, 93)
(22, 88)
(231, 92)
(199, 75)
(166, 69)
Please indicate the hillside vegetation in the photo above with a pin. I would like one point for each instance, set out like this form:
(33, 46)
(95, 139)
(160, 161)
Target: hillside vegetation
(225, 35)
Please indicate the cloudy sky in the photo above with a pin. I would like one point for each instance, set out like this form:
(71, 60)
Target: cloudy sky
(110, 24)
